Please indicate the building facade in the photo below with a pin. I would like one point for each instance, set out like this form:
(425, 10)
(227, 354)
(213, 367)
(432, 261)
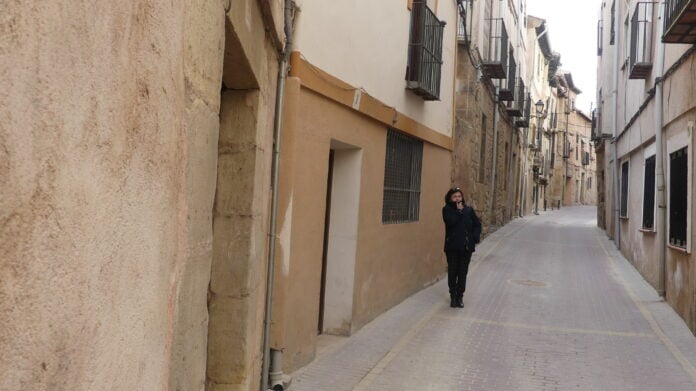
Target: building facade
(645, 118)
(136, 145)
(366, 161)
(492, 108)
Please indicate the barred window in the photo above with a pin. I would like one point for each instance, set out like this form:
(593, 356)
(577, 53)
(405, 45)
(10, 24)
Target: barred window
(678, 191)
(623, 212)
(402, 178)
(649, 194)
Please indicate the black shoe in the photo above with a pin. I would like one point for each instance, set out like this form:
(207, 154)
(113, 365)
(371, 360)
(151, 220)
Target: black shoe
(460, 302)
(454, 303)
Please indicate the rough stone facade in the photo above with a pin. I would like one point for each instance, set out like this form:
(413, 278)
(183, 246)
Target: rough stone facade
(119, 186)
(472, 160)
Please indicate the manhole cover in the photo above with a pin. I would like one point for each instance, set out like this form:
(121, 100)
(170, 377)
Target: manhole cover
(528, 283)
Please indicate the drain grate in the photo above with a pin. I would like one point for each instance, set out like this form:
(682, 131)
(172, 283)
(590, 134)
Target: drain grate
(529, 283)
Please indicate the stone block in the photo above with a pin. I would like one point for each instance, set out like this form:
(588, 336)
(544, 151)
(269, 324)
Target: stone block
(239, 117)
(237, 183)
(230, 339)
(204, 32)
(234, 255)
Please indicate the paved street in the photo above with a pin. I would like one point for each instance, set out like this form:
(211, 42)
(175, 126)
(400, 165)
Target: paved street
(550, 305)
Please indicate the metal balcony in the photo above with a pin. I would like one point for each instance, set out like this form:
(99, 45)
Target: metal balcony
(515, 108)
(680, 21)
(425, 52)
(641, 41)
(506, 92)
(495, 49)
(523, 120)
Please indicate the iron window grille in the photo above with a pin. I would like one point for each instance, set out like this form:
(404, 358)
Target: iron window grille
(402, 178)
(623, 212)
(641, 41)
(678, 174)
(424, 68)
(649, 194)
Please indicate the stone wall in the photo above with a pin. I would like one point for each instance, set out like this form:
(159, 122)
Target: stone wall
(108, 136)
(475, 105)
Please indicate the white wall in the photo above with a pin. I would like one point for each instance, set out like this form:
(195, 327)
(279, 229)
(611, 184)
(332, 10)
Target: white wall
(365, 44)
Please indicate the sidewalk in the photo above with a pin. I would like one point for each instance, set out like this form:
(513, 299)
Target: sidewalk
(550, 305)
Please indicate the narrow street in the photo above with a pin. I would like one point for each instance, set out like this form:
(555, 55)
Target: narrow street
(539, 315)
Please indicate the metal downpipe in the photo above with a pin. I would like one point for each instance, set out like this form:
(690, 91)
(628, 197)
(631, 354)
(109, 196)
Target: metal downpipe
(495, 159)
(615, 151)
(659, 166)
(277, 127)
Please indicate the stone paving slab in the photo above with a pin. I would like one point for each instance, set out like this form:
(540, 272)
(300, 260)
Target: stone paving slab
(550, 305)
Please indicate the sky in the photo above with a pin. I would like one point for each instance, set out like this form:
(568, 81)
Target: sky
(572, 26)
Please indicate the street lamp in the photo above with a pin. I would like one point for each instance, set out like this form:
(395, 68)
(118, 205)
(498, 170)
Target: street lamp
(539, 107)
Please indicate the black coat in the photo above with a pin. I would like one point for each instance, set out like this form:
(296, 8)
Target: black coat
(462, 228)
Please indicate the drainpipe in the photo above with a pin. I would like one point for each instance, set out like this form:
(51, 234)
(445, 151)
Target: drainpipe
(659, 167)
(523, 174)
(275, 359)
(495, 158)
(615, 120)
(511, 177)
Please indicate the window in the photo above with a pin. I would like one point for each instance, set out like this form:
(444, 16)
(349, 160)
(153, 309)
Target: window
(402, 178)
(507, 165)
(678, 191)
(624, 190)
(425, 52)
(600, 29)
(612, 32)
(577, 146)
(649, 194)
(589, 182)
(482, 151)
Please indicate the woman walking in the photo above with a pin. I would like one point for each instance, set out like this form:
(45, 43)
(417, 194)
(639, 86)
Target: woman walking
(462, 233)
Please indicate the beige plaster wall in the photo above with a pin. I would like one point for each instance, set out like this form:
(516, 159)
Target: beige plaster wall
(108, 134)
(392, 261)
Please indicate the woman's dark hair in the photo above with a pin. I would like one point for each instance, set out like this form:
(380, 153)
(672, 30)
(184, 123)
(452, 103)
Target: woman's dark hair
(451, 191)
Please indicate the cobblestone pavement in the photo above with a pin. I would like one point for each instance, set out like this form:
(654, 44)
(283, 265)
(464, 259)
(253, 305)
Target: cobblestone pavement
(550, 305)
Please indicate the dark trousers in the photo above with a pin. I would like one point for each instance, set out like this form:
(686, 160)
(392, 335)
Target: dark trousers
(457, 267)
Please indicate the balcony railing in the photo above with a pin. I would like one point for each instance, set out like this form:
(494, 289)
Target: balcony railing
(680, 21)
(515, 108)
(506, 92)
(425, 52)
(495, 49)
(523, 120)
(641, 41)
(462, 22)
